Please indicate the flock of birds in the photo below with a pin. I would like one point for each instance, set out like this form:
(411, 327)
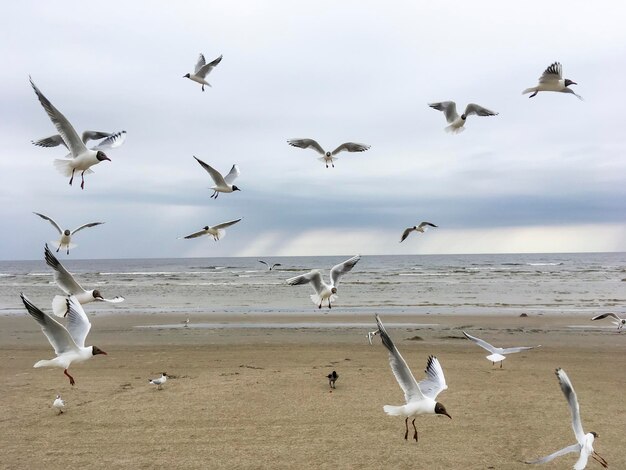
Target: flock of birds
(68, 340)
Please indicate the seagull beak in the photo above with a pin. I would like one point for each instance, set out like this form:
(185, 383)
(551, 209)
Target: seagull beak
(573, 83)
(107, 158)
(448, 415)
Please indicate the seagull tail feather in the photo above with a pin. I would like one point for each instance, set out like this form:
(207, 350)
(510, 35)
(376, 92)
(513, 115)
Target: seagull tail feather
(394, 410)
(529, 90)
(59, 305)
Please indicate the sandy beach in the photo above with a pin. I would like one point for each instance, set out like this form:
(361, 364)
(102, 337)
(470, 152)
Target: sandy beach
(246, 397)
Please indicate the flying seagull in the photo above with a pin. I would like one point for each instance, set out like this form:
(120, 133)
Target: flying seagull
(82, 158)
(109, 140)
(58, 404)
(370, 335)
(416, 228)
(332, 378)
(420, 396)
(497, 354)
(619, 322)
(68, 284)
(325, 292)
(269, 268)
(552, 80)
(66, 235)
(457, 122)
(223, 184)
(202, 69)
(160, 381)
(217, 231)
(328, 157)
(584, 444)
(68, 342)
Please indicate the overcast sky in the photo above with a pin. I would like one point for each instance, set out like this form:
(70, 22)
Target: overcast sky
(547, 174)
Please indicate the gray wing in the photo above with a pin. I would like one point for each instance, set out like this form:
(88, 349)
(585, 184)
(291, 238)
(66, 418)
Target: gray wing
(226, 224)
(217, 177)
(604, 315)
(90, 224)
(307, 143)
(112, 141)
(77, 322)
(261, 261)
(54, 224)
(342, 268)
(204, 70)
(94, 135)
(448, 108)
(435, 382)
(572, 400)
(204, 231)
(406, 233)
(199, 64)
(558, 453)
(232, 174)
(65, 129)
(52, 141)
(313, 277)
(57, 335)
(426, 224)
(478, 110)
(506, 351)
(62, 276)
(275, 264)
(115, 300)
(553, 73)
(400, 370)
(482, 344)
(351, 147)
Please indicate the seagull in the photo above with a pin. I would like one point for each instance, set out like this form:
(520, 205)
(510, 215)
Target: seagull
(325, 292)
(109, 141)
(217, 231)
(371, 334)
(497, 354)
(66, 235)
(419, 396)
(68, 284)
(552, 80)
(619, 322)
(82, 158)
(332, 378)
(68, 342)
(186, 323)
(457, 122)
(584, 445)
(328, 157)
(160, 381)
(201, 70)
(269, 268)
(223, 184)
(416, 228)
(58, 404)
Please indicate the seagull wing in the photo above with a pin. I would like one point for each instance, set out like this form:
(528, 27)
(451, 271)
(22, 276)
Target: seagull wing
(204, 231)
(90, 224)
(553, 73)
(217, 177)
(261, 261)
(435, 382)
(112, 141)
(77, 322)
(482, 344)
(448, 108)
(342, 268)
(351, 147)
(604, 315)
(226, 224)
(572, 400)
(425, 225)
(558, 453)
(506, 351)
(65, 129)
(204, 70)
(52, 141)
(275, 264)
(399, 368)
(94, 135)
(62, 276)
(406, 233)
(50, 220)
(232, 174)
(199, 64)
(313, 277)
(478, 110)
(57, 334)
(307, 143)
(581, 463)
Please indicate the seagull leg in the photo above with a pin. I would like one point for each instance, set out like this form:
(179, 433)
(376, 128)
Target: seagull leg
(414, 435)
(72, 178)
(500, 364)
(327, 165)
(331, 162)
(406, 424)
(82, 180)
(598, 458)
(320, 305)
(202, 87)
(71, 378)
(58, 248)
(68, 250)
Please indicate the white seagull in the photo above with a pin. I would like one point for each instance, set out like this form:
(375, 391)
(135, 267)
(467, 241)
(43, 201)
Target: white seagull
(416, 228)
(419, 396)
(66, 235)
(201, 70)
(216, 231)
(457, 122)
(223, 184)
(325, 292)
(584, 444)
(497, 354)
(58, 404)
(371, 334)
(82, 158)
(619, 322)
(68, 284)
(109, 140)
(328, 157)
(269, 268)
(160, 381)
(552, 80)
(68, 342)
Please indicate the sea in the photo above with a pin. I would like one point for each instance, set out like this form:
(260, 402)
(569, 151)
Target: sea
(484, 284)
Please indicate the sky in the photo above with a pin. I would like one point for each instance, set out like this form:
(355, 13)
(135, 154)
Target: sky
(547, 174)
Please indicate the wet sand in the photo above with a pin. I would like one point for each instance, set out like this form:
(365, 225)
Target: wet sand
(258, 397)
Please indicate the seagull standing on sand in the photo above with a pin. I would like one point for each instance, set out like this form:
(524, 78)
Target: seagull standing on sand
(328, 157)
(201, 70)
(68, 284)
(419, 396)
(619, 322)
(497, 354)
(58, 404)
(160, 381)
(82, 158)
(552, 80)
(269, 268)
(68, 343)
(416, 228)
(325, 292)
(332, 378)
(217, 231)
(584, 444)
(457, 122)
(66, 235)
(223, 184)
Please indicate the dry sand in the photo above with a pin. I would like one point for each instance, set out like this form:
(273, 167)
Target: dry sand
(258, 398)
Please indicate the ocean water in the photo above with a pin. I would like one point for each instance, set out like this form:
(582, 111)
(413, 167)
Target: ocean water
(423, 284)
